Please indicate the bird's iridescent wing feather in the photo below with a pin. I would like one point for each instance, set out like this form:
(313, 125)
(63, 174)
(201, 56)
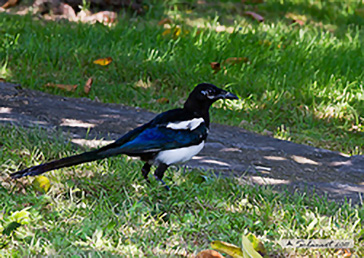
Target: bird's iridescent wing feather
(162, 138)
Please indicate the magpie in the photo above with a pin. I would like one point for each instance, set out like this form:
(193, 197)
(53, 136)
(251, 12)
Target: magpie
(174, 136)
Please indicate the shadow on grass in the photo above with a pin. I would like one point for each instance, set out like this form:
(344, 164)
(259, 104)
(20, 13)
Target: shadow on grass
(230, 150)
(339, 14)
(105, 207)
(145, 70)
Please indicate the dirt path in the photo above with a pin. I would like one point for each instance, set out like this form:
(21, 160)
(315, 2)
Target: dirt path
(230, 151)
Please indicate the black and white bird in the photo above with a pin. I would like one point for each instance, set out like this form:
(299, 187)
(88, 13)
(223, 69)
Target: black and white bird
(172, 137)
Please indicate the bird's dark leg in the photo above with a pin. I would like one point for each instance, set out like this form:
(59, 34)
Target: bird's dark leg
(145, 171)
(159, 173)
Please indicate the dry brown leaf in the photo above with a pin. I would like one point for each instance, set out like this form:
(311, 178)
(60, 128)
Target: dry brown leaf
(164, 21)
(216, 66)
(67, 11)
(345, 253)
(87, 86)
(209, 254)
(9, 3)
(255, 16)
(83, 15)
(300, 22)
(104, 17)
(103, 61)
(162, 100)
(107, 17)
(65, 87)
(296, 18)
(2, 80)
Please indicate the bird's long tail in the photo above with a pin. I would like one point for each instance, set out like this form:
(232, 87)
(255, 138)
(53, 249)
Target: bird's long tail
(61, 163)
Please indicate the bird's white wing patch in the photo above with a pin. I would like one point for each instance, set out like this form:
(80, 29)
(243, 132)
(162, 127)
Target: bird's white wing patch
(179, 155)
(184, 125)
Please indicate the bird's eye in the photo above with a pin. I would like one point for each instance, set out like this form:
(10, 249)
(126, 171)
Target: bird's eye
(206, 92)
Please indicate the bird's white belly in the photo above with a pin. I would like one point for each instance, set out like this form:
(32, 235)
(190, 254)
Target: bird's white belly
(179, 155)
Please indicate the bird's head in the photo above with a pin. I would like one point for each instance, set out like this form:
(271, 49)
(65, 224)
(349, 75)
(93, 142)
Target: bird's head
(209, 92)
(204, 94)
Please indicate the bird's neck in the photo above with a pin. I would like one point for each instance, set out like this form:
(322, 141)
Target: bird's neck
(199, 109)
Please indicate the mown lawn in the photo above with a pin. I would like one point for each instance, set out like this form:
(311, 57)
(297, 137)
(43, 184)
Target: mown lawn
(299, 82)
(302, 83)
(105, 209)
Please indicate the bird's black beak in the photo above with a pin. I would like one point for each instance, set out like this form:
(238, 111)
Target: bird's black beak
(227, 95)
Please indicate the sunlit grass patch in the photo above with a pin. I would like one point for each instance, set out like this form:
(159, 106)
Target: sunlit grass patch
(304, 77)
(296, 82)
(106, 208)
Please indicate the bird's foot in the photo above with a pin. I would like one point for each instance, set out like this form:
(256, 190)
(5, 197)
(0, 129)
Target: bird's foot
(148, 181)
(163, 183)
(145, 171)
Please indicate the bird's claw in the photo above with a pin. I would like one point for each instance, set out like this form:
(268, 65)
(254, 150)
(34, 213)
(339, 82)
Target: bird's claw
(163, 183)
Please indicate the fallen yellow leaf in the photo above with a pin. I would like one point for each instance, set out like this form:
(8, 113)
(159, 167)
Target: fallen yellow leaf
(103, 61)
(41, 184)
(177, 32)
(248, 249)
(166, 32)
(228, 248)
(257, 243)
(21, 216)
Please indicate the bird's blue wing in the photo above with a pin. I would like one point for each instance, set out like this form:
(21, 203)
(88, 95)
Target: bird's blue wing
(161, 138)
(155, 136)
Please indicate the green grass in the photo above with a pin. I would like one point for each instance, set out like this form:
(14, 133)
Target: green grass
(305, 79)
(302, 83)
(105, 208)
